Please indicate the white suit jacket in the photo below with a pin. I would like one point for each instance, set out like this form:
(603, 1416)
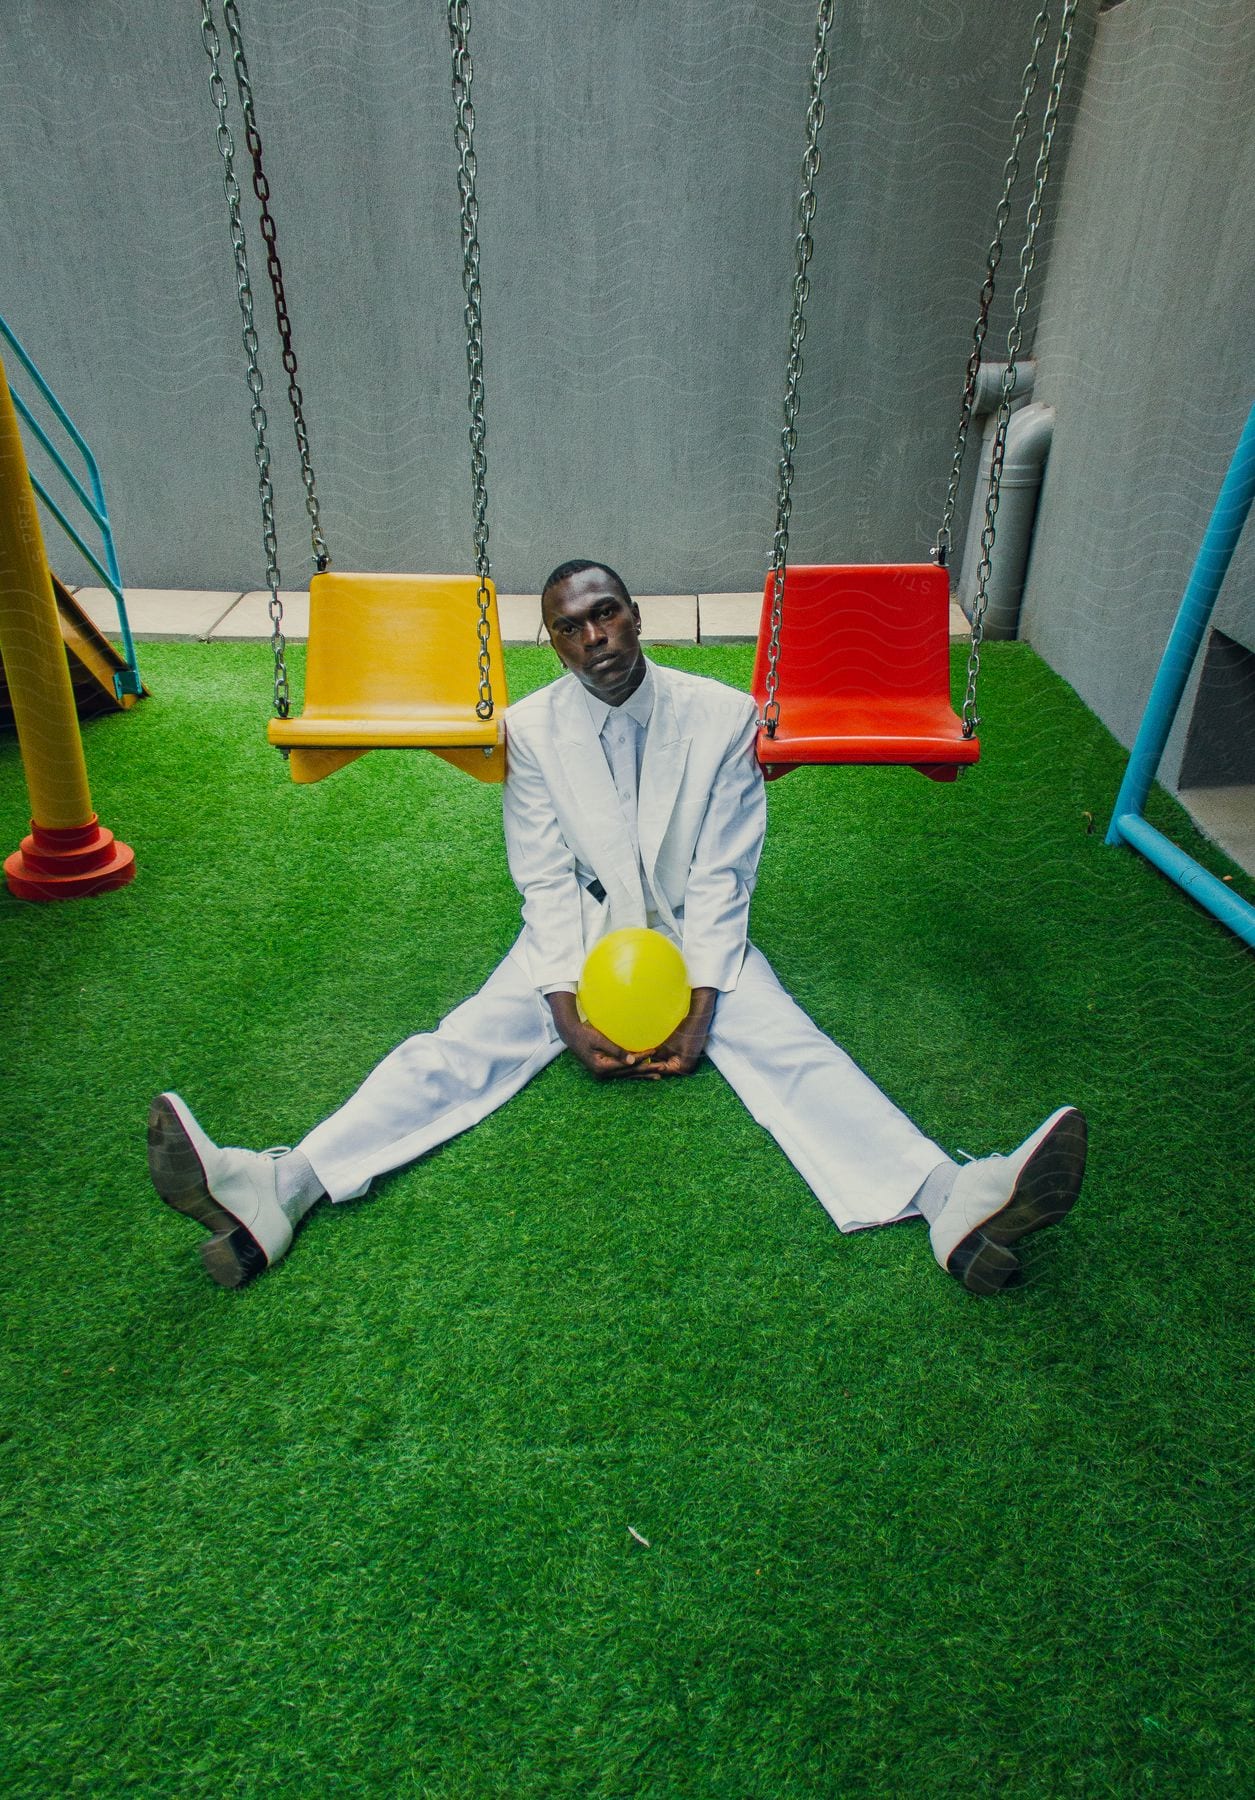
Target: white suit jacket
(701, 817)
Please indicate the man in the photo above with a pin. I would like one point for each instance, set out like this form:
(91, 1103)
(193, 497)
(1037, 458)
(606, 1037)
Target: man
(633, 798)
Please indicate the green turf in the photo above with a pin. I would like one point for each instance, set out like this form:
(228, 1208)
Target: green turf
(364, 1527)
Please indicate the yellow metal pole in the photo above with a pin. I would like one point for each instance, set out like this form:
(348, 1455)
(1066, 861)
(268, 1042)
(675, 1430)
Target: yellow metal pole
(68, 852)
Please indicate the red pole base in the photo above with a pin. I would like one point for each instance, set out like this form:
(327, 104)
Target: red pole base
(65, 864)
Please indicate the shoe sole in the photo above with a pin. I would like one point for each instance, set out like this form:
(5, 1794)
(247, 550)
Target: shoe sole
(983, 1266)
(232, 1256)
(1048, 1184)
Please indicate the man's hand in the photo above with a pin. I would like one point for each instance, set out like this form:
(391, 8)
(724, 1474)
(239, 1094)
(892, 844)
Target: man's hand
(599, 1056)
(682, 1051)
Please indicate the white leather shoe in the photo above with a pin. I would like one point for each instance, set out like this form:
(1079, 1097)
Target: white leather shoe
(1003, 1198)
(232, 1193)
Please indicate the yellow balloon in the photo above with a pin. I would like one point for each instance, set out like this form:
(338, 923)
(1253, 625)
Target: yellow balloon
(635, 987)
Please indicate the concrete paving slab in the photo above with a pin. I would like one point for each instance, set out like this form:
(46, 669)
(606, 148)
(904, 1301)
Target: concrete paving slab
(250, 617)
(729, 618)
(733, 618)
(665, 618)
(1227, 816)
(668, 618)
(182, 614)
(519, 615)
(185, 614)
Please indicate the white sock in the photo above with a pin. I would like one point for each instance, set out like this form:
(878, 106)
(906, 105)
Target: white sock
(296, 1185)
(936, 1189)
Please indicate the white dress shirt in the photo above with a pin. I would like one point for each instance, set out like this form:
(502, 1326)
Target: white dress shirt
(622, 732)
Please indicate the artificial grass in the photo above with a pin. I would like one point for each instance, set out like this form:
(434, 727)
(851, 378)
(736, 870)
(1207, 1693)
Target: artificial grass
(364, 1527)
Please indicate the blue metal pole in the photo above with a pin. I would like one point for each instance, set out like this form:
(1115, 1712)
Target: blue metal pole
(125, 681)
(80, 491)
(129, 680)
(75, 538)
(1199, 883)
(1215, 551)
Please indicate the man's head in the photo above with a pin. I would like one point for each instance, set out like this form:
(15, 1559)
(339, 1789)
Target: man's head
(594, 626)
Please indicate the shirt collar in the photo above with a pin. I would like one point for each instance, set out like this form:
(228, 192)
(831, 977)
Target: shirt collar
(638, 706)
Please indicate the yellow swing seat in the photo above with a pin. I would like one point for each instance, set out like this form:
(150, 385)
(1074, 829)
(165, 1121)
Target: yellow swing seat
(393, 664)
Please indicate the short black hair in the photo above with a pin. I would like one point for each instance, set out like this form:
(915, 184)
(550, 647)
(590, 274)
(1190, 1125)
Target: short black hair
(577, 566)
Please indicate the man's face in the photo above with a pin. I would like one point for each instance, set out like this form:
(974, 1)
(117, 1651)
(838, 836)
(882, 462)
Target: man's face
(596, 633)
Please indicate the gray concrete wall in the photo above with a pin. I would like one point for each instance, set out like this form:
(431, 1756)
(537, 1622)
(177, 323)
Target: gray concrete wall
(638, 170)
(1146, 347)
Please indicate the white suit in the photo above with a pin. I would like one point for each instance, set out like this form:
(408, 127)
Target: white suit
(699, 821)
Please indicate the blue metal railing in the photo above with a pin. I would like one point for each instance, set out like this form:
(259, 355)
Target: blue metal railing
(125, 681)
(1127, 824)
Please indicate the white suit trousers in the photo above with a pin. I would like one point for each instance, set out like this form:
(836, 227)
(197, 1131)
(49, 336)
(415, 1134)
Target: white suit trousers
(861, 1156)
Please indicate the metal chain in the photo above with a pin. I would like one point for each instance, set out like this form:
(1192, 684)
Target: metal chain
(1011, 170)
(1028, 256)
(464, 136)
(226, 148)
(804, 249)
(274, 268)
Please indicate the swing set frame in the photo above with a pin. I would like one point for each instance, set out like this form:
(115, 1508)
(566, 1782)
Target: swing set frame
(1128, 823)
(855, 669)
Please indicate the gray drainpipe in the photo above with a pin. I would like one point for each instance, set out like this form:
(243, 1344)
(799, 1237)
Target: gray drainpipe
(1029, 432)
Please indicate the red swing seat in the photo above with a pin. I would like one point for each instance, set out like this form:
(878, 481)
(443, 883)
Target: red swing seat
(864, 670)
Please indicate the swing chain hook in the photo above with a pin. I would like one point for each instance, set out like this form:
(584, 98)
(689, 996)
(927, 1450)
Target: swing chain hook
(1011, 170)
(1028, 256)
(274, 268)
(244, 292)
(804, 249)
(459, 14)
